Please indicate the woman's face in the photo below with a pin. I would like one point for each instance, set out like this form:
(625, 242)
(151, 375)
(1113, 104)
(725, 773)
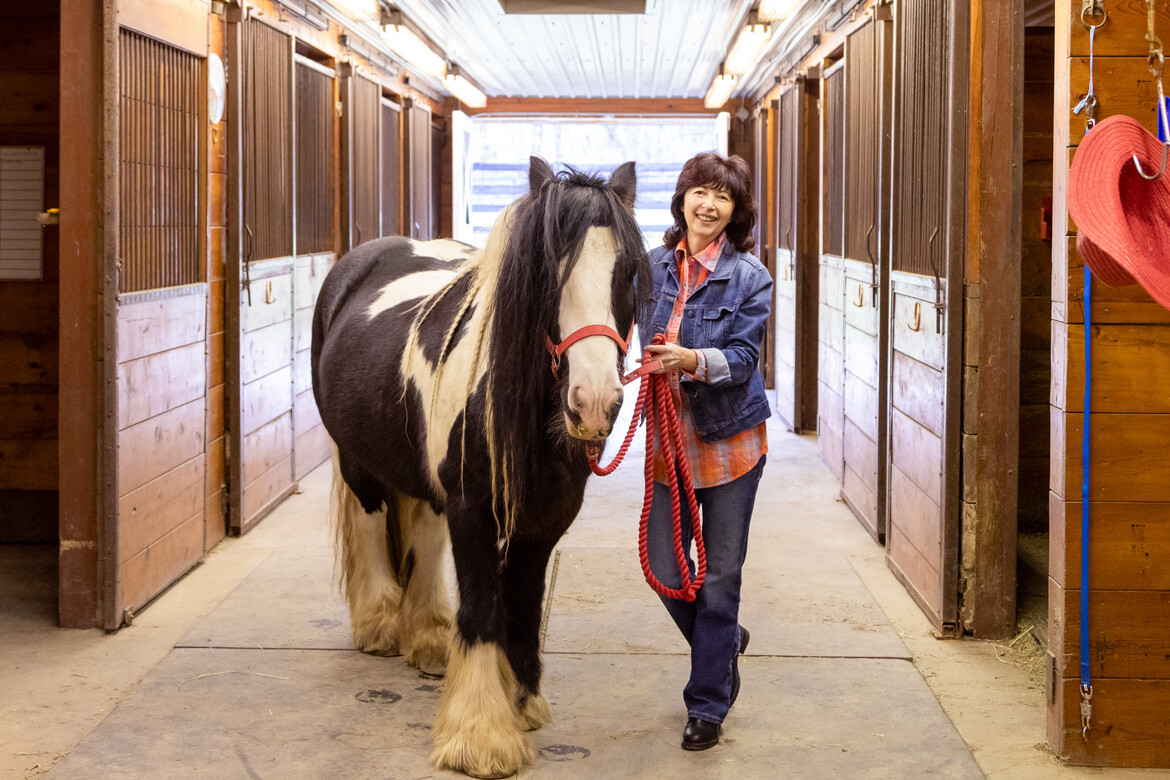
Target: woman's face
(707, 211)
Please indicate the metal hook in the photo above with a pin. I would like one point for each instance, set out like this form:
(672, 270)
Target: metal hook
(860, 298)
(873, 282)
(917, 326)
(1090, 9)
(1157, 71)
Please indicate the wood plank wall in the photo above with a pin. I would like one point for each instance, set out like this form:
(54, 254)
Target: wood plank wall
(29, 116)
(1129, 600)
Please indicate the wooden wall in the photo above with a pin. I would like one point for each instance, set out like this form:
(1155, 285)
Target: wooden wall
(1129, 581)
(29, 116)
(313, 445)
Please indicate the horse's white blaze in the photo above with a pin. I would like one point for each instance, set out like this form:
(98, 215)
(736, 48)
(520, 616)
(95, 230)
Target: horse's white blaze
(594, 383)
(408, 288)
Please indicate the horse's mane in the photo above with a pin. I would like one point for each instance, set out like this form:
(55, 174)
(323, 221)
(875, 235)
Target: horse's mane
(544, 227)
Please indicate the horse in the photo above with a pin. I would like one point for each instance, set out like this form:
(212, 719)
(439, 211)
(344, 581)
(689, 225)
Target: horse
(431, 370)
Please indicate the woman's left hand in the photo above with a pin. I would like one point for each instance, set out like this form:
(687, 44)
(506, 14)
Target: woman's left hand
(672, 357)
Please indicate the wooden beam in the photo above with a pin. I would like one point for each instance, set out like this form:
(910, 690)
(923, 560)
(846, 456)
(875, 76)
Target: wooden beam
(536, 105)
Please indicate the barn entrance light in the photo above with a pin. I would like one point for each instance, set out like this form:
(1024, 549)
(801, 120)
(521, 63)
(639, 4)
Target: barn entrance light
(409, 46)
(777, 10)
(458, 85)
(747, 47)
(720, 89)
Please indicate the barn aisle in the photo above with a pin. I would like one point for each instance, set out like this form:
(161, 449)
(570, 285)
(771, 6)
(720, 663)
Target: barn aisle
(266, 685)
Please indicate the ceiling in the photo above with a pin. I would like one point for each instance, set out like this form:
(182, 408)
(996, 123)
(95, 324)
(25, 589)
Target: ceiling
(671, 51)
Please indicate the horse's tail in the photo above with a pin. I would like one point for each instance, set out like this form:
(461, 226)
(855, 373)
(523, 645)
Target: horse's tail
(368, 560)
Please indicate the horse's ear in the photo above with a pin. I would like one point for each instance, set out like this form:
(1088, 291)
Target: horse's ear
(539, 172)
(624, 183)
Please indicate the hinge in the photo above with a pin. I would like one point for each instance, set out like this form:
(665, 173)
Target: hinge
(128, 616)
(1050, 681)
(338, 109)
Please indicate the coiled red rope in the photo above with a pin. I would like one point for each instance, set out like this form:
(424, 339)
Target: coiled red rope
(662, 425)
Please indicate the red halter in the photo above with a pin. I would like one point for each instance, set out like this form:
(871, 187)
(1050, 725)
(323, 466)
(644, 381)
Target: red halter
(556, 350)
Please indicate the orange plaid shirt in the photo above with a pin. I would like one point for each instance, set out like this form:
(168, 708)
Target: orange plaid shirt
(718, 462)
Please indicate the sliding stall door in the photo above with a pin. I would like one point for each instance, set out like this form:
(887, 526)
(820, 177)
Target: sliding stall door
(419, 170)
(927, 247)
(163, 409)
(866, 272)
(314, 162)
(260, 304)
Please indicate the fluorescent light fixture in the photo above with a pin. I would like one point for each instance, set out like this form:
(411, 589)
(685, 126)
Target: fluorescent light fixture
(776, 10)
(412, 49)
(460, 87)
(361, 10)
(747, 47)
(720, 90)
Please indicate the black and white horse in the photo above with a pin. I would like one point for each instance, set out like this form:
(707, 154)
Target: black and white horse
(432, 373)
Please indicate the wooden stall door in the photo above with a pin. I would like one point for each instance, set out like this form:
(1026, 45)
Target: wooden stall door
(360, 150)
(419, 169)
(161, 321)
(391, 167)
(929, 189)
(259, 300)
(831, 320)
(866, 272)
(315, 163)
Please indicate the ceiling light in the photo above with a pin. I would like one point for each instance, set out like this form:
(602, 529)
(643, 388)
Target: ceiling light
(361, 10)
(460, 87)
(747, 47)
(776, 10)
(411, 48)
(720, 90)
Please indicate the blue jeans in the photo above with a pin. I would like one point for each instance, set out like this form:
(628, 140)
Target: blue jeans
(710, 623)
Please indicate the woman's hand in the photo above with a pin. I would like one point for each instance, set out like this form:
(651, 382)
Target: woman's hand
(672, 357)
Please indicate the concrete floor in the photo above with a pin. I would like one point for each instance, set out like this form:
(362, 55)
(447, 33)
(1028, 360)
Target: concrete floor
(245, 669)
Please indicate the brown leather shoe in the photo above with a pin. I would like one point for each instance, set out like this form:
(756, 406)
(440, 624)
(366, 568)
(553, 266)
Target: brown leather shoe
(745, 637)
(700, 734)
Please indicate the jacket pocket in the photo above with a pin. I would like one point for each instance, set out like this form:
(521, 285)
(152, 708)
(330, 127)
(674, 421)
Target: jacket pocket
(717, 323)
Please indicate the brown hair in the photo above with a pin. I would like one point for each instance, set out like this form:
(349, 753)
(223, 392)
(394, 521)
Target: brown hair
(711, 169)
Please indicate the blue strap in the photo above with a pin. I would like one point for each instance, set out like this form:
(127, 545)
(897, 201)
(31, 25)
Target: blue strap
(1086, 676)
(1085, 439)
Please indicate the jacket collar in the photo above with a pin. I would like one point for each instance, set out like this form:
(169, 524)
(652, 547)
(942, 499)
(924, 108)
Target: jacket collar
(723, 269)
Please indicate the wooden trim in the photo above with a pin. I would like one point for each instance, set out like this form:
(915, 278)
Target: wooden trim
(324, 70)
(233, 259)
(580, 106)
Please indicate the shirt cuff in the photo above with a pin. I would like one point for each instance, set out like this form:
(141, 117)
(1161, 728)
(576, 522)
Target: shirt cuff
(717, 369)
(700, 372)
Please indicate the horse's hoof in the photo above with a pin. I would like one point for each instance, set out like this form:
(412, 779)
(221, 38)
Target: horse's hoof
(534, 711)
(498, 757)
(381, 640)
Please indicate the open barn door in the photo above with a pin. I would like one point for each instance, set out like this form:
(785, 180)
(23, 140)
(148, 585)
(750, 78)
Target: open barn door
(927, 253)
(797, 241)
(865, 338)
(260, 268)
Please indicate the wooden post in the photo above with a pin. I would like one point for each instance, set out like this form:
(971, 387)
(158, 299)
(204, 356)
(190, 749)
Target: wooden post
(996, 147)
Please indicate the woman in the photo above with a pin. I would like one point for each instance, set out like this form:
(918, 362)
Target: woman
(711, 299)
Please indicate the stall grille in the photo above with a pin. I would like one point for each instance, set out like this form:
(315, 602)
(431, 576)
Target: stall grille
(921, 157)
(834, 197)
(267, 138)
(314, 153)
(158, 164)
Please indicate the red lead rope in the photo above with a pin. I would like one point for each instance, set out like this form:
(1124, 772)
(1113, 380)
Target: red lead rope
(662, 424)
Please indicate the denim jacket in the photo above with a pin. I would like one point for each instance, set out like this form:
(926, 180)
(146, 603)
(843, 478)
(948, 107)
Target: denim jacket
(725, 318)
